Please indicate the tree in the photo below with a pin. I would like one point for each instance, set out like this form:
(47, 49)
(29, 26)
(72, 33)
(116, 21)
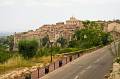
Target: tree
(4, 42)
(11, 42)
(62, 41)
(7, 41)
(91, 37)
(105, 38)
(45, 41)
(28, 48)
(4, 56)
(92, 25)
(73, 44)
(76, 35)
(86, 23)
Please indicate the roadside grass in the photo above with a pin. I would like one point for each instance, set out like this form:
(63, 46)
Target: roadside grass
(14, 63)
(17, 62)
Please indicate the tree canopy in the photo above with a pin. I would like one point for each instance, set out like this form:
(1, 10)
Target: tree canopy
(28, 48)
(45, 41)
(92, 25)
(62, 41)
(86, 38)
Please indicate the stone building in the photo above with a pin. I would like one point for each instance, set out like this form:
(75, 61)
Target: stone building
(62, 29)
(54, 31)
(113, 26)
(114, 29)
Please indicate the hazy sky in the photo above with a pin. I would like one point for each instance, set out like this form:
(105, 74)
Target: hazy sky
(23, 15)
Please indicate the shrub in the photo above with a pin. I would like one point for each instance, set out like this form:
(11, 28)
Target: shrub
(56, 49)
(62, 41)
(105, 38)
(87, 38)
(73, 43)
(42, 52)
(28, 48)
(47, 51)
(4, 56)
(66, 50)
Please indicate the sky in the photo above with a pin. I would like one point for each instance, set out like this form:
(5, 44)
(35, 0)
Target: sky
(24, 15)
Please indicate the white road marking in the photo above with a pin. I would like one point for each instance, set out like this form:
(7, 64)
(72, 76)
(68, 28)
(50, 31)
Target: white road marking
(76, 77)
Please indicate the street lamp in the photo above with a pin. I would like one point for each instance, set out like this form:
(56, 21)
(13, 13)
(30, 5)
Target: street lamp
(51, 49)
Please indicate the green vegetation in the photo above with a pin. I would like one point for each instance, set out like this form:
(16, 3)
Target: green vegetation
(11, 42)
(62, 41)
(92, 25)
(7, 42)
(55, 50)
(91, 36)
(4, 56)
(45, 41)
(31, 52)
(67, 50)
(87, 38)
(28, 48)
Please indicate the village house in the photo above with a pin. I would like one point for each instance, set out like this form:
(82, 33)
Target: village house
(61, 29)
(54, 31)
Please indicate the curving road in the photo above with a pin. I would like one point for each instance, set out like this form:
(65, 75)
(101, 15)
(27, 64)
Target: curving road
(90, 66)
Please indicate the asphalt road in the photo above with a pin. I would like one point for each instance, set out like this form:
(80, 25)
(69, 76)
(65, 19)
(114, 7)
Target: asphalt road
(89, 66)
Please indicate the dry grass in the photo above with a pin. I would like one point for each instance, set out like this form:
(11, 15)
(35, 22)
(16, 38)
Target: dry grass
(18, 62)
(14, 63)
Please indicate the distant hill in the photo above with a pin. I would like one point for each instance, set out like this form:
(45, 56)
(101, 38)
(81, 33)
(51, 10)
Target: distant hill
(5, 34)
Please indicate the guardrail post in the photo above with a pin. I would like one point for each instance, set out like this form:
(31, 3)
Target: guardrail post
(41, 72)
(46, 69)
(60, 63)
(51, 67)
(56, 64)
(34, 74)
(28, 76)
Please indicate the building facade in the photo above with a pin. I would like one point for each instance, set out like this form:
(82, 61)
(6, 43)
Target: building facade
(54, 31)
(62, 29)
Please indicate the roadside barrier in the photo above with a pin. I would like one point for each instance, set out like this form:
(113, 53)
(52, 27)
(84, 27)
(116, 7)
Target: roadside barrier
(38, 72)
(46, 69)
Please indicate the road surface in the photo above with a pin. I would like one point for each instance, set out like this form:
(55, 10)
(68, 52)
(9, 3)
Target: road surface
(89, 66)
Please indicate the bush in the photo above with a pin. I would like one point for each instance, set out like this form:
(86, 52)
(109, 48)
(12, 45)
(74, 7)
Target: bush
(4, 56)
(73, 44)
(42, 52)
(47, 51)
(87, 38)
(56, 49)
(28, 48)
(105, 38)
(66, 50)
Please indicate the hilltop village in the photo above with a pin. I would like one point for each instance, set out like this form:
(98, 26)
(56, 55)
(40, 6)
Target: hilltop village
(61, 29)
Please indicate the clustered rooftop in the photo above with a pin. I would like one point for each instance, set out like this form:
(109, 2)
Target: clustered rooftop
(54, 31)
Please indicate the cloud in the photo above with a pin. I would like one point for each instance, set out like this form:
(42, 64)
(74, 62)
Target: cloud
(18, 15)
(55, 3)
(31, 3)
(6, 3)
